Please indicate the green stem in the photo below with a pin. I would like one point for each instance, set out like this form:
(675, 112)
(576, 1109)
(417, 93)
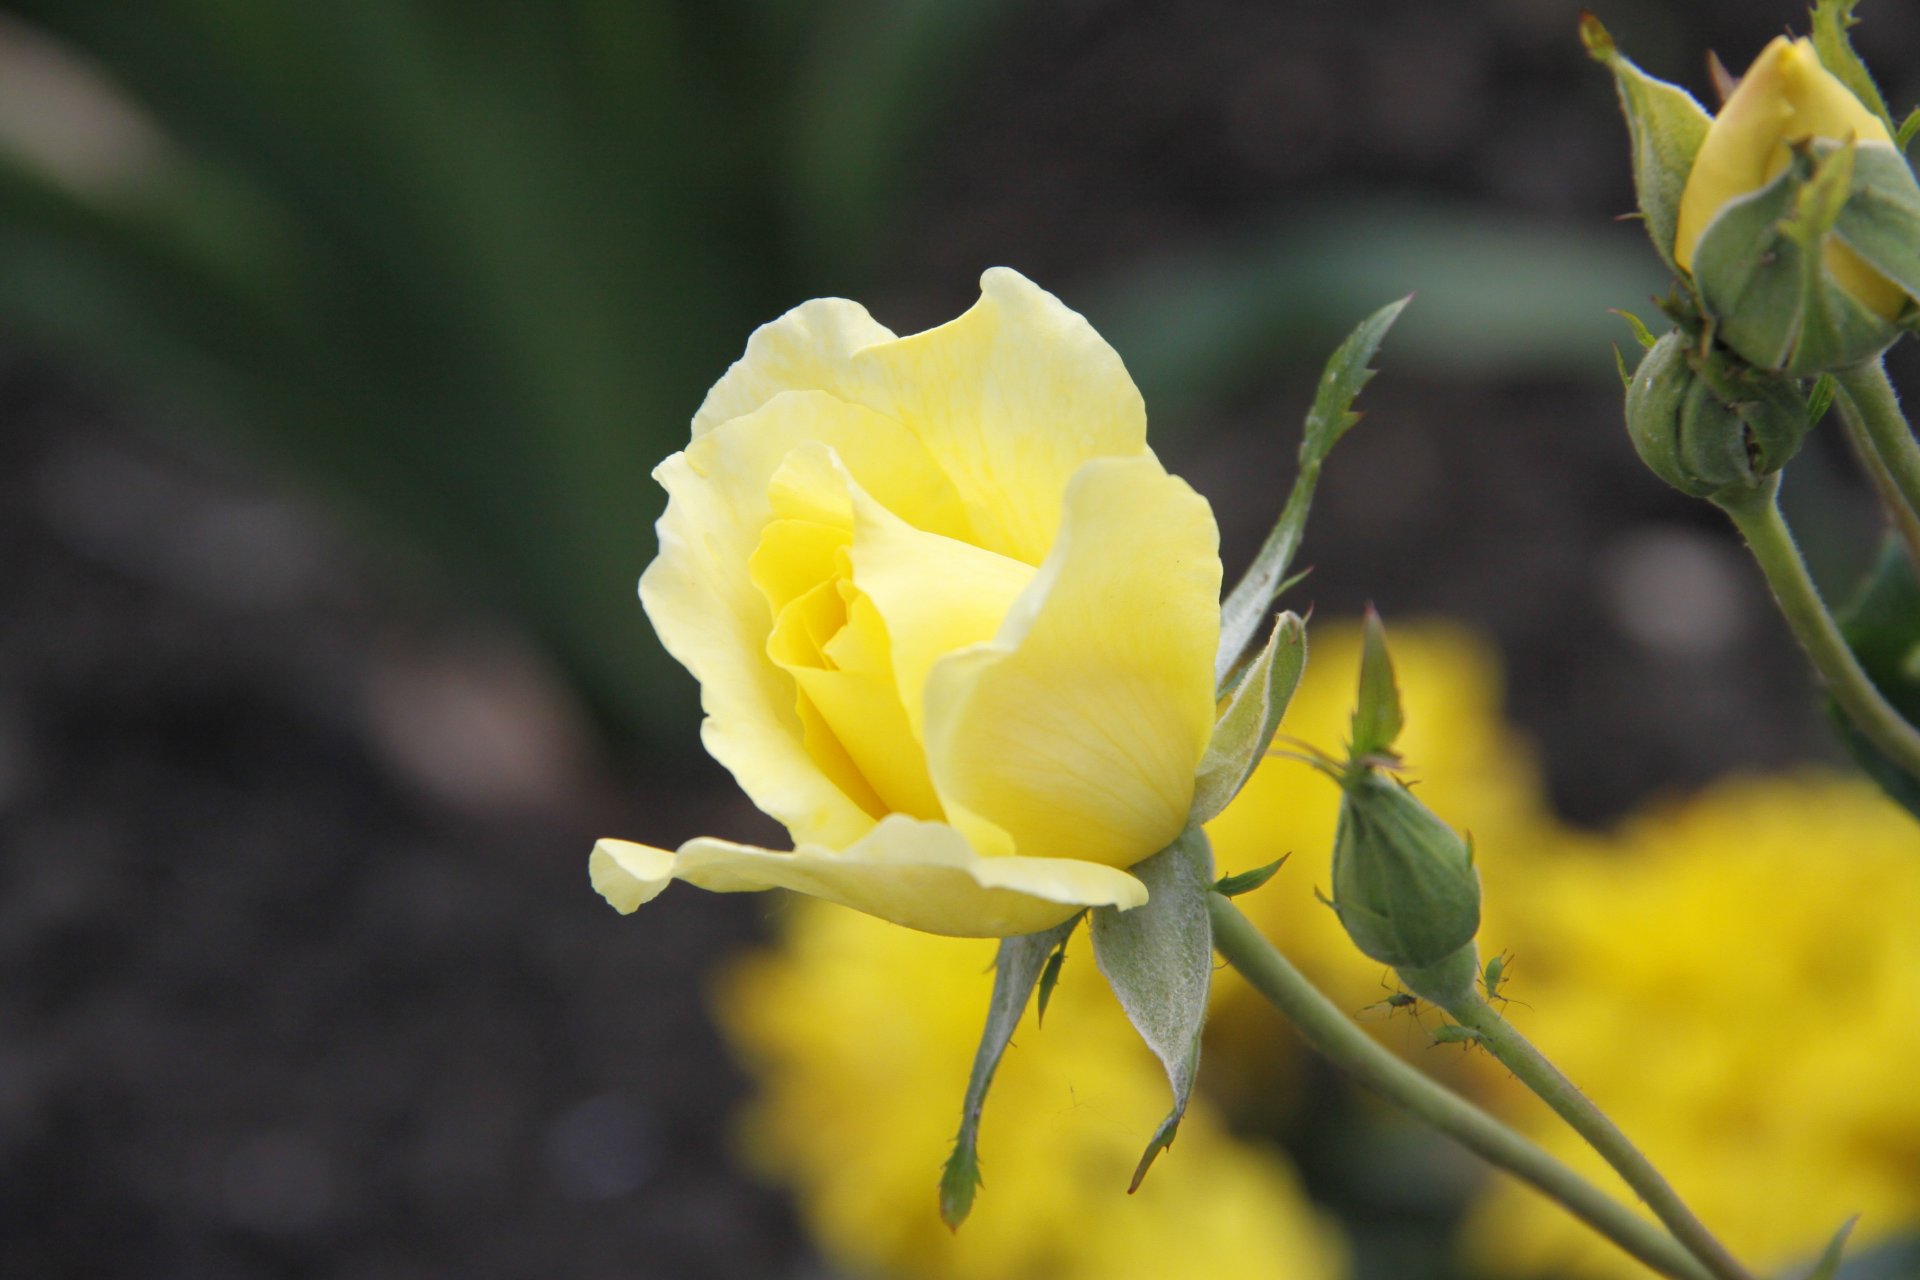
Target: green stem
(1558, 1092)
(1866, 391)
(1334, 1034)
(1756, 513)
(1905, 519)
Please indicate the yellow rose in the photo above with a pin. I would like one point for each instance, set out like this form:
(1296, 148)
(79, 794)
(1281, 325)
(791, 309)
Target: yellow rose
(953, 623)
(1786, 97)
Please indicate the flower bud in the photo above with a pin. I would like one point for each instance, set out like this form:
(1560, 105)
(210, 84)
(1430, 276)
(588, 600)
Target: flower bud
(1706, 426)
(1404, 884)
(1793, 215)
(1798, 219)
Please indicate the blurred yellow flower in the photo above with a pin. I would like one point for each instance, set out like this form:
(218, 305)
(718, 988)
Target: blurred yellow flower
(860, 1037)
(1737, 984)
(954, 625)
(1786, 97)
(1733, 978)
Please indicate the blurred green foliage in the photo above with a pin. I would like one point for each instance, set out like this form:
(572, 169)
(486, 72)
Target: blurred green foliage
(470, 266)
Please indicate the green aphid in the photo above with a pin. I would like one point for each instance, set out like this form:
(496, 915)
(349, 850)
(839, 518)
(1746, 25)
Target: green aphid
(1495, 976)
(1452, 1034)
(1394, 1003)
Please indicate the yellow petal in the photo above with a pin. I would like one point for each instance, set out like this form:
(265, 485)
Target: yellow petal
(627, 874)
(934, 594)
(702, 597)
(1785, 97)
(919, 874)
(1011, 398)
(806, 349)
(1075, 732)
(1823, 107)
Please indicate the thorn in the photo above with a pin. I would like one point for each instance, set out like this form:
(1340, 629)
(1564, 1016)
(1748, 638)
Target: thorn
(1724, 81)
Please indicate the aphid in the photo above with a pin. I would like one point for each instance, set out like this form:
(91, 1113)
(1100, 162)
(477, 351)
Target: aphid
(1495, 976)
(1396, 1001)
(1452, 1034)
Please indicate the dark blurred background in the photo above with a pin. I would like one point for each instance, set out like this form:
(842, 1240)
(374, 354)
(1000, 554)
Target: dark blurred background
(336, 343)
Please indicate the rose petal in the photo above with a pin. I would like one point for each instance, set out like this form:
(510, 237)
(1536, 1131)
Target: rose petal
(628, 874)
(1011, 398)
(934, 594)
(702, 598)
(1786, 96)
(920, 874)
(1077, 729)
(806, 349)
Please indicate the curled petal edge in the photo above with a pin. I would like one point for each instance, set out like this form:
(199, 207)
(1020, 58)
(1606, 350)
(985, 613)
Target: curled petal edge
(919, 874)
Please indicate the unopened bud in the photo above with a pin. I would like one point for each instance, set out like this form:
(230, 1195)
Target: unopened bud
(1404, 885)
(1704, 425)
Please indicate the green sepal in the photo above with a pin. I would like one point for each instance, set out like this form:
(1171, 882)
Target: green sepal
(1665, 126)
(1331, 416)
(1882, 626)
(1377, 717)
(1246, 725)
(1828, 1267)
(1761, 278)
(1830, 20)
(1247, 881)
(1881, 217)
(1158, 959)
(1708, 425)
(1015, 970)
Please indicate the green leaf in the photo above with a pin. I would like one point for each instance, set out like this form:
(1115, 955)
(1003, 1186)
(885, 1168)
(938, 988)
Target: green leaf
(1377, 718)
(1016, 969)
(1159, 961)
(1244, 730)
(1831, 18)
(1908, 127)
(1050, 978)
(1247, 881)
(1829, 1264)
(1330, 418)
(1882, 624)
(1665, 126)
(1641, 334)
(1820, 398)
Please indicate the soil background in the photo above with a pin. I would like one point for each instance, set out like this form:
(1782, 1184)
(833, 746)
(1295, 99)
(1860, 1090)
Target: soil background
(299, 972)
